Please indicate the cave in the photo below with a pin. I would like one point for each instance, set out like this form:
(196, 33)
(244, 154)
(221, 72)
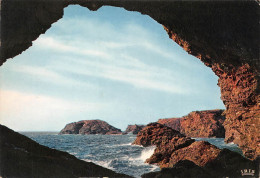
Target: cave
(224, 35)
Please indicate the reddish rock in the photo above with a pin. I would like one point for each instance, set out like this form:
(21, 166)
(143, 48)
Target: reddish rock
(207, 123)
(240, 94)
(166, 140)
(174, 123)
(240, 89)
(86, 127)
(156, 134)
(238, 71)
(172, 146)
(176, 151)
(133, 129)
(199, 152)
(204, 124)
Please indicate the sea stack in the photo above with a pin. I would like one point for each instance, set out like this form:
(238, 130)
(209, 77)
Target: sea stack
(86, 127)
(134, 129)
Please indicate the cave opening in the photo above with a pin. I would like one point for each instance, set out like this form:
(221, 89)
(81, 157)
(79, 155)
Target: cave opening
(118, 73)
(113, 65)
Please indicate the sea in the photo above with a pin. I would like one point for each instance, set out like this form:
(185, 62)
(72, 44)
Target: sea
(111, 151)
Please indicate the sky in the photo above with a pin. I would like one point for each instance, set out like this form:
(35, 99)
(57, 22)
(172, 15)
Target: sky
(113, 65)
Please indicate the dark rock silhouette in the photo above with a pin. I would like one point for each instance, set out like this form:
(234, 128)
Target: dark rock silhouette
(86, 127)
(207, 123)
(227, 164)
(181, 169)
(23, 157)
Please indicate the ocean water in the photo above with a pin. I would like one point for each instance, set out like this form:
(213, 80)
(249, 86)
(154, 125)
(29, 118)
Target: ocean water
(111, 151)
(220, 143)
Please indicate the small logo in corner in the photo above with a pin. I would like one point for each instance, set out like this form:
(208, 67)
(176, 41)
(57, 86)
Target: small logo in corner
(247, 172)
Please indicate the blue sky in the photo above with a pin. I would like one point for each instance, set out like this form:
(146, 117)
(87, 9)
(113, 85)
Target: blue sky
(113, 65)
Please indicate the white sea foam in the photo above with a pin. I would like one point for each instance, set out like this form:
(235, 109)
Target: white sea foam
(147, 153)
(117, 145)
(231, 143)
(73, 153)
(126, 144)
(106, 164)
(154, 168)
(138, 146)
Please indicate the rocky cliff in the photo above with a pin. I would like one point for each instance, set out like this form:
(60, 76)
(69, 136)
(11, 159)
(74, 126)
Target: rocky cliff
(87, 127)
(174, 149)
(207, 123)
(134, 129)
(23, 157)
(224, 35)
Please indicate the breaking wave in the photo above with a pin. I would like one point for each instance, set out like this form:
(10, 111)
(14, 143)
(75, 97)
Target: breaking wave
(112, 152)
(147, 153)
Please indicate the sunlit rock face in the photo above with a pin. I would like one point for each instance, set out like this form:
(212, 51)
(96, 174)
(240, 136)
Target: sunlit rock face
(207, 123)
(166, 141)
(174, 148)
(224, 35)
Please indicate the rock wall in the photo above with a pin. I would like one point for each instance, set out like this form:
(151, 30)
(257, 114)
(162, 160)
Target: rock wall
(207, 123)
(222, 34)
(240, 94)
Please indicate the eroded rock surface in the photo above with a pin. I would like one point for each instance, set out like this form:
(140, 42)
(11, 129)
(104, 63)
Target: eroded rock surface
(166, 140)
(199, 152)
(172, 146)
(207, 123)
(134, 129)
(186, 157)
(86, 127)
(23, 157)
(240, 94)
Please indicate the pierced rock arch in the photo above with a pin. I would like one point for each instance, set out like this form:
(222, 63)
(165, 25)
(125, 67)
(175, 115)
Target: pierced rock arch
(223, 35)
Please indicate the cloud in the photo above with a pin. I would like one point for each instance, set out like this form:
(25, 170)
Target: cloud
(50, 43)
(98, 48)
(86, 34)
(132, 72)
(21, 110)
(121, 67)
(108, 51)
(49, 75)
